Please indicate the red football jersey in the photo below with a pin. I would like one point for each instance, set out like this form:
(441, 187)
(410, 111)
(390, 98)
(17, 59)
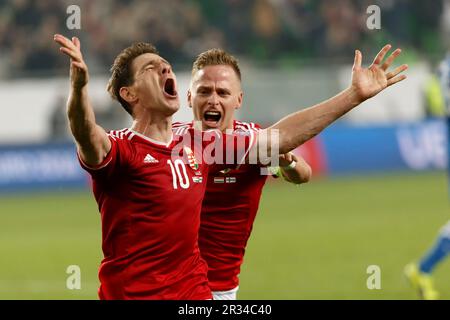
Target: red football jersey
(150, 202)
(228, 211)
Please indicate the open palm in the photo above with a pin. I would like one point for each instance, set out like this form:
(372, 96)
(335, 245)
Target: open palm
(368, 82)
(79, 74)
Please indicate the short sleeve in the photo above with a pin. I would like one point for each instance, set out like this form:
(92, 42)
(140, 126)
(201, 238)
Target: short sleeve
(108, 165)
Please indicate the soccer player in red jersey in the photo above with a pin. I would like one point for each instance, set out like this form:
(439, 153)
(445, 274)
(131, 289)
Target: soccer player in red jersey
(232, 196)
(134, 173)
(146, 256)
(149, 199)
(226, 222)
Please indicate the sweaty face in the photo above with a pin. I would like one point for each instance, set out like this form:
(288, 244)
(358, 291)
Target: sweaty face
(155, 84)
(214, 95)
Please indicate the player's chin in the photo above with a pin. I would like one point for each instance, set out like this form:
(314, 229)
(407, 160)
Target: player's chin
(172, 106)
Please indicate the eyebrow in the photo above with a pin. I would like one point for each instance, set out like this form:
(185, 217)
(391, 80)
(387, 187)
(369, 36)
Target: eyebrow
(204, 87)
(209, 87)
(226, 90)
(152, 62)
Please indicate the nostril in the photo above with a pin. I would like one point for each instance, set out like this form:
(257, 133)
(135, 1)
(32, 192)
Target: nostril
(166, 70)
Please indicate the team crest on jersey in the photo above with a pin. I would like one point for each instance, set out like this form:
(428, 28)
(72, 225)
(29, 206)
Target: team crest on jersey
(191, 158)
(149, 159)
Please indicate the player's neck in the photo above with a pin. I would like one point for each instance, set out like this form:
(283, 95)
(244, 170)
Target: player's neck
(159, 130)
(230, 126)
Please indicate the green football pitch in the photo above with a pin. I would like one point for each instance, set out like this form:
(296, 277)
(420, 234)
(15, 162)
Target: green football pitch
(314, 241)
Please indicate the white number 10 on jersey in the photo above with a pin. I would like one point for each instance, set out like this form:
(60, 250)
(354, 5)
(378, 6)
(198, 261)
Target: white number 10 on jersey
(179, 174)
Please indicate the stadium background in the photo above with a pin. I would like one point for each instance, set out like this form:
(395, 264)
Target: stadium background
(379, 193)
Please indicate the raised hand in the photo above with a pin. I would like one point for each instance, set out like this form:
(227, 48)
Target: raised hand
(368, 82)
(79, 75)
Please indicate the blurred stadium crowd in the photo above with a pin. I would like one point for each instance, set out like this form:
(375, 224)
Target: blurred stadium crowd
(259, 30)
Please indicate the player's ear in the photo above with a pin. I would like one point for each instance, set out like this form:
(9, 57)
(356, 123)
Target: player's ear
(127, 94)
(240, 99)
(189, 98)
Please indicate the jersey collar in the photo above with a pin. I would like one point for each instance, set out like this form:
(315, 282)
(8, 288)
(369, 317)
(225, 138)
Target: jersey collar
(159, 143)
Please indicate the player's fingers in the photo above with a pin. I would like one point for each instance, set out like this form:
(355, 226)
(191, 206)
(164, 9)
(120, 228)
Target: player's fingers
(381, 54)
(60, 39)
(391, 59)
(73, 55)
(77, 43)
(79, 65)
(63, 41)
(396, 71)
(294, 157)
(288, 157)
(66, 44)
(395, 80)
(358, 60)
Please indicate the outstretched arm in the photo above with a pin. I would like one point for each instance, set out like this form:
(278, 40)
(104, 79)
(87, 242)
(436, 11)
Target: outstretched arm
(92, 141)
(303, 125)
